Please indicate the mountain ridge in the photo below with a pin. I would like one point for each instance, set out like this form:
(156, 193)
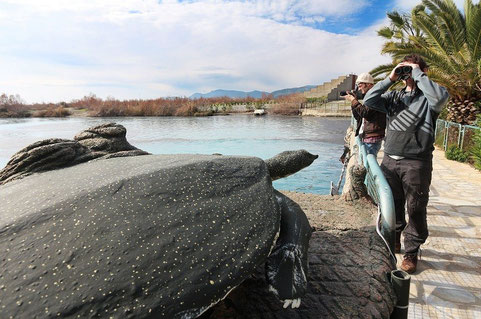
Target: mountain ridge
(255, 94)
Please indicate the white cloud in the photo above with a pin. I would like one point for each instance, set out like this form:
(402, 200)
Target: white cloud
(60, 50)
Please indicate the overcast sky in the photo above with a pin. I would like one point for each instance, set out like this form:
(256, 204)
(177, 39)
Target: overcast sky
(59, 50)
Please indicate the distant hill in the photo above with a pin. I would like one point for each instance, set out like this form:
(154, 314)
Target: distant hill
(292, 90)
(254, 94)
(229, 93)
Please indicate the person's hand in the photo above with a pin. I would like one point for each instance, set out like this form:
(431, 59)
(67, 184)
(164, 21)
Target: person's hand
(349, 97)
(394, 77)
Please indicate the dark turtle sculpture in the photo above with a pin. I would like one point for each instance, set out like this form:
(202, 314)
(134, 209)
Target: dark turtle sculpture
(99, 142)
(153, 236)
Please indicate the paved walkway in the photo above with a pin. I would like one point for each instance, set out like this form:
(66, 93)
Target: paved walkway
(447, 283)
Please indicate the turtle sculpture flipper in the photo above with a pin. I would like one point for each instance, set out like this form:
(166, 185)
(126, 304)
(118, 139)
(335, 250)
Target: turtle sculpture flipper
(287, 264)
(286, 268)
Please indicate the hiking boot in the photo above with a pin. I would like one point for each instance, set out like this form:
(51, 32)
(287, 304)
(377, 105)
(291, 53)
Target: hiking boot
(409, 263)
(397, 243)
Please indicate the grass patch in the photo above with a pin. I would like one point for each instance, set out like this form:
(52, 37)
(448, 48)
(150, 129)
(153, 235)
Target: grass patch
(454, 153)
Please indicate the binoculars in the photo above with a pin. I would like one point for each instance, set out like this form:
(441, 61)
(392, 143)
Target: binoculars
(403, 72)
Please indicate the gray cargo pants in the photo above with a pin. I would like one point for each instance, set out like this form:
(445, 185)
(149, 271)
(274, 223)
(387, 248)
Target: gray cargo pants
(409, 180)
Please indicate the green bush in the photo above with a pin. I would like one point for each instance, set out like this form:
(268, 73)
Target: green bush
(478, 120)
(475, 151)
(454, 153)
(322, 99)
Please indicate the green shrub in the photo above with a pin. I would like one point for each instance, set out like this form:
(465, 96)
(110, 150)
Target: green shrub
(478, 120)
(475, 151)
(454, 153)
(322, 99)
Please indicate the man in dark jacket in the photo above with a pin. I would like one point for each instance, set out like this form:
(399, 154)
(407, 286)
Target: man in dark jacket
(371, 124)
(408, 147)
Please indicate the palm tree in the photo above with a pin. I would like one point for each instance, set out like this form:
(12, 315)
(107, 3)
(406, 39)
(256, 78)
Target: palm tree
(450, 42)
(400, 32)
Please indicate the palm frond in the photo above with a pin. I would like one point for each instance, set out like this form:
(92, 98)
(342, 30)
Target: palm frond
(382, 69)
(396, 18)
(473, 28)
(450, 20)
(477, 78)
(428, 24)
(385, 32)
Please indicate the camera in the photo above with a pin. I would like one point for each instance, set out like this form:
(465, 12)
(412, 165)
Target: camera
(403, 72)
(356, 93)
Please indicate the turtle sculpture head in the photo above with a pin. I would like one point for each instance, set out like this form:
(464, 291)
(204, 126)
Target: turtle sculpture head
(152, 236)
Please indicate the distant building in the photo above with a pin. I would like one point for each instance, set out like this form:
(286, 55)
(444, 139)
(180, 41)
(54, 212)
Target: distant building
(331, 89)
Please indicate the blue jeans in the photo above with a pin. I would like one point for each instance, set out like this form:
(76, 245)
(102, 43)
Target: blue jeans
(373, 148)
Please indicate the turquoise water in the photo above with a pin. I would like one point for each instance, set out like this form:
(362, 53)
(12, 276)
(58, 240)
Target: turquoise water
(263, 137)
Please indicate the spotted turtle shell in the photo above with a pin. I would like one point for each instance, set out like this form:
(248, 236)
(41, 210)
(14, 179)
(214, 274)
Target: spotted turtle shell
(162, 236)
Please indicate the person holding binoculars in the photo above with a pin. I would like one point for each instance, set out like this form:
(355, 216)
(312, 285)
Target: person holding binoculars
(408, 147)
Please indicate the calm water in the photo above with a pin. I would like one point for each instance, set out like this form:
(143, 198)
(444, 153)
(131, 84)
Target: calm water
(263, 137)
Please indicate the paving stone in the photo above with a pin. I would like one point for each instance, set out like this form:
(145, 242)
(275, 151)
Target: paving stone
(448, 281)
(457, 296)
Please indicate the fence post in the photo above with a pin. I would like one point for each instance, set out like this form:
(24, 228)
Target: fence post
(463, 129)
(461, 134)
(446, 133)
